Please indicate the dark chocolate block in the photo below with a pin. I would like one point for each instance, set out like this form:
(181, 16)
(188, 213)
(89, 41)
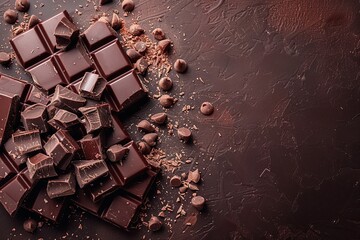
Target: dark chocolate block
(7, 170)
(125, 91)
(96, 117)
(14, 86)
(140, 186)
(97, 35)
(64, 185)
(8, 115)
(83, 200)
(111, 61)
(30, 47)
(114, 135)
(14, 155)
(27, 141)
(35, 95)
(87, 171)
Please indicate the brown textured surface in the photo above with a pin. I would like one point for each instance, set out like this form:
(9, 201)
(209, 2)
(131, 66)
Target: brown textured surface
(280, 155)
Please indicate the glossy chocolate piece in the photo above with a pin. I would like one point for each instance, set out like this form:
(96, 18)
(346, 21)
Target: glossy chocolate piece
(87, 171)
(12, 153)
(63, 185)
(103, 187)
(27, 141)
(7, 170)
(66, 34)
(64, 120)
(111, 61)
(92, 147)
(114, 135)
(35, 117)
(12, 86)
(67, 99)
(41, 166)
(30, 47)
(140, 186)
(125, 91)
(97, 35)
(35, 95)
(82, 199)
(92, 86)
(8, 115)
(96, 117)
(116, 153)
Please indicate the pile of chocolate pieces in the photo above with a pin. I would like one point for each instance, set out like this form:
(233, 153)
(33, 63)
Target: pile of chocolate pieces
(61, 139)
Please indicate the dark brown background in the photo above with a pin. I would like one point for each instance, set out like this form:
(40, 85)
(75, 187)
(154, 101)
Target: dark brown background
(280, 156)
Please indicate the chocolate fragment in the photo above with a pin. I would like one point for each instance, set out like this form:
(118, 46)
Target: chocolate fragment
(35, 95)
(104, 19)
(133, 55)
(154, 224)
(41, 166)
(18, 30)
(206, 108)
(194, 176)
(114, 135)
(180, 66)
(96, 117)
(140, 186)
(92, 147)
(144, 148)
(158, 118)
(116, 22)
(8, 114)
(145, 126)
(22, 5)
(88, 171)
(140, 47)
(166, 101)
(184, 134)
(64, 185)
(164, 45)
(128, 5)
(165, 83)
(136, 30)
(150, 139)
(158, 34)
(64, 120)
(10, 16)
(67, 99)
(102, 2)
(92, 86)
(35, 117)
(175, 181)
(66, 34)
(33, 21)
(141, 66)
(116, 153)
(27, 141)
(30, 225)
(198, 202)
(12, 154)
(5, 58)
(83, 200)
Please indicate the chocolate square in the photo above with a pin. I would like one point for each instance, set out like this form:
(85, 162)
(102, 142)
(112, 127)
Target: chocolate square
(97, 35)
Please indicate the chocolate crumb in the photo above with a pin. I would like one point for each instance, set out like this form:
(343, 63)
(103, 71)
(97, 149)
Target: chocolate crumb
(30, 225)
(194, 176)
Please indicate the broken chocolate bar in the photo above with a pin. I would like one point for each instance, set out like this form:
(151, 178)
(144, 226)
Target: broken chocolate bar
(92, 86)
(66, 99)
(61, 186)
(66, 34)
(41, 166)
(87, 171)
(27, 141)
(64, 120)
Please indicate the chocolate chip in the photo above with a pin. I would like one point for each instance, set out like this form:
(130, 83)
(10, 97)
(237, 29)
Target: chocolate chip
(5, 58)
(158, 118)
(145, 126)
(128, 5)
(166, 101)
(144, 148)
(117, 153)
(22, 5)
(164, 45)
(158, 34)
(206, 108)
(10, 16)
(150, 139)
(184, 134)
(155, 224)
(140, 47)
(133, 55)
(33, 21)
(136, 30)
(30, 225)
(141, 66)
(194, 176)
(116, 22)
(175, 181)
(180, 66)
(165, 83)
(198, 202)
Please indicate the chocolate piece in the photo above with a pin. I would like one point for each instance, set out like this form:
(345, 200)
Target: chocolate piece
(35, 95)
(150, 139)
(158, 34)
(145, 126)
(97, 35)
(158, 118)
(83, 200)
(165, 83)
(125, 91)
(180, 66)
(184, 134)
(8, 113)
(13, 154)
(30, 48)
(88, 171)
(64, 185)
(52, 110)
(105, 64)
(41, 166)
(166, 101)
(102, 2)
(206, 108)
(12, 87)
(10, 16)
(141, 66)
(136, 30)
(18, 30)
(114, 135)
(175, 181)
(198, 202)
(154, 224)
(92, 147)
(141, 47)
(102, 188)
(35, 117)
(194, 176)
(64, 120)
(66, 34)
(133, 54)
(5, 58)
(164, 45)
(96, 117)
(128, 5)
(116, 22)
(22, 5)
(67, 99)
(33, 21)
(117, 153)
(140, 186)
(30, 225)
(92, 86)
(7, 170)
(27, 141)
(144, 148)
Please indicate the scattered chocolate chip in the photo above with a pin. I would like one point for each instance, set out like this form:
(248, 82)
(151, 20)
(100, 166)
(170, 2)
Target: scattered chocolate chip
(10, 16)
(158, 118)
(33, 21)
(165, 83)
(140, 47)
(117, 153)
(145, 126)
(158, 34)
(22, 5)
(141, 66)
(102, 2)
(116, 22)
(164, 45)
(30, 225)
(166, 101)
(175, 181)
(133, 55)
(5, 58)
(136, 30)
(184, 134)
(150, 139)
(194, 176)
(144, 148)
(128, 5)
(206, 108)
(155, 224)
(66, 34)
(180, 66)
(198, 202)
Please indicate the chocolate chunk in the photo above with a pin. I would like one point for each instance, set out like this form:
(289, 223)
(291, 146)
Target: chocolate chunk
(5, 58)
(8, 115)
(104, 19)
(184, 134)
(117, 153)
(141, 66)
(64, 120)
(165, 83)
(12, 154)
(206, 108)
(88, 171)
(27, 141)
(35, 95)
(198, 202)
(194, 176)
(136, 30)
(144, 148)
(154, 224)
(67, 99)
(10, 16)
(30, 225)
(133, 55)
(158, 118)
(116, 22)
(92, 147)
(35, 117)
(41, 166)
(166, 101)
(18, 30)
(114, 135)
(92, 86)
(33, 21)
(66, 34)
(22, 5)
(145, 126)
(96, 117)
(64, 185)
(150, 139)
(158, 34)
(102, 2)
(164, 45)
(141, 47)
(128, 5)
(175, 181)
(180, 66)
